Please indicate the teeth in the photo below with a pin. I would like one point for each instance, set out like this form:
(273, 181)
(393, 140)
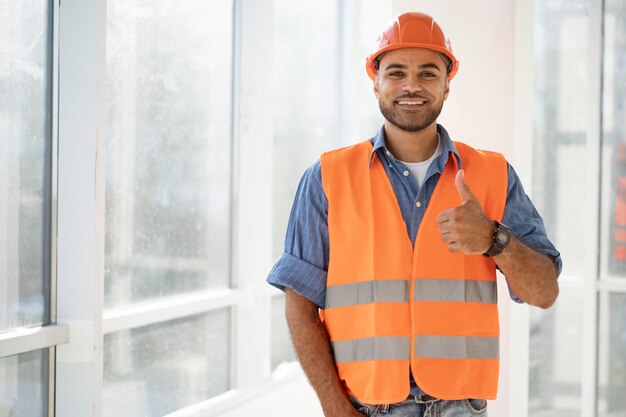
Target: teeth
(411, 103)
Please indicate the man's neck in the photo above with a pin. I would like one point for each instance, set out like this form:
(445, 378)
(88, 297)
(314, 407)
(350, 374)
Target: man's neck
(411, 146)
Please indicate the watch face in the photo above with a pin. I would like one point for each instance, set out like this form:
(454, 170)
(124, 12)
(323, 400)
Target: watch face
(502, 237)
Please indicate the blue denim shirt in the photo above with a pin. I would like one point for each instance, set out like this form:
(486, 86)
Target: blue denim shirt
(304, 264)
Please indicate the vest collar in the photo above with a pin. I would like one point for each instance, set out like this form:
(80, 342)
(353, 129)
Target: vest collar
(447, 147)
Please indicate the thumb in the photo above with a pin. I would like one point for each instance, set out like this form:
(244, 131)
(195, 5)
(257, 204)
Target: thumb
(464, 191)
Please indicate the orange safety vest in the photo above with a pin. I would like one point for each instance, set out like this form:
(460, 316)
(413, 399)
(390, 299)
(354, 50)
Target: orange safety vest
(391, 307)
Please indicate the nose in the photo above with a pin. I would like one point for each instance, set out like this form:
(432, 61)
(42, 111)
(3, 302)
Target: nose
(412, 84)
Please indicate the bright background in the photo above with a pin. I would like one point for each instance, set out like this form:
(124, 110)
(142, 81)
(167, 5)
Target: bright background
(150, 151)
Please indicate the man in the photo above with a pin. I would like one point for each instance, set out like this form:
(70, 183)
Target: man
(392, 247)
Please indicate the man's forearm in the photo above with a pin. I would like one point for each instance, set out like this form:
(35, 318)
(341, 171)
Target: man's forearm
(531, 275)
(314, 352)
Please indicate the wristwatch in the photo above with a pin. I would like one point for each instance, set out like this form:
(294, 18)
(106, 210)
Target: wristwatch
(501, 239)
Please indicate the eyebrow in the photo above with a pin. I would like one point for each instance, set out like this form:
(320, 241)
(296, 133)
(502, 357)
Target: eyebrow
(423, 66)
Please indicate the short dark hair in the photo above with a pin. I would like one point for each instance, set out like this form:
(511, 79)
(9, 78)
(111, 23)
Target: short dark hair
(447, 60)
(377, 61)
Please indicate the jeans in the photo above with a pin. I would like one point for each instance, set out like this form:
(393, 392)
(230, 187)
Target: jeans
(416, 407)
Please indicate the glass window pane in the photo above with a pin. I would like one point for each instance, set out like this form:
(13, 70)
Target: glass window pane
(556, 358)
(169, 66)
(371, 18)
(305, 100)
(157, 369)
(613, 204)
(24, 384)
(560, 123)
(24, 150)
(561, 43)
(612, 356)
(282, 349)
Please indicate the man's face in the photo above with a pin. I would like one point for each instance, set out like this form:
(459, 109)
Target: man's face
(411, 85)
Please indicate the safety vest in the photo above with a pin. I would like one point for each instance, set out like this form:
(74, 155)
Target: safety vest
(392, 307)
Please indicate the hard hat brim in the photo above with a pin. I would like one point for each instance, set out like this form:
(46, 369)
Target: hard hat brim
(370, 61)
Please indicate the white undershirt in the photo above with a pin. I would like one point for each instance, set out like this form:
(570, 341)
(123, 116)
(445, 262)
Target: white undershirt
(418, 169)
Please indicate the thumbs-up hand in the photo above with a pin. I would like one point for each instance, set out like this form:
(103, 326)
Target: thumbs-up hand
(466, 228)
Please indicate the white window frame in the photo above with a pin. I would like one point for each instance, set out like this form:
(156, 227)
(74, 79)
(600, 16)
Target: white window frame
(80, 214)
(48, 336)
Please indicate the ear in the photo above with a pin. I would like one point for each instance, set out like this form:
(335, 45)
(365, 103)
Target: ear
(446, 90)
(376, 85)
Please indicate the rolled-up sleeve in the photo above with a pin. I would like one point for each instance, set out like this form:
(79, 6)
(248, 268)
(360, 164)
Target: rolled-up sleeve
(521, 216)
(303, 265)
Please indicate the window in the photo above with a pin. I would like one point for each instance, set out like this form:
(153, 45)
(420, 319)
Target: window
(612, 295)
(369, 17)
(577, 348)
(168, 156)
(305, 117)
(24, 384)
(305, 97)
(560, 128)
(25, 204)
(168, 192)
(160, 368)
(24, 160)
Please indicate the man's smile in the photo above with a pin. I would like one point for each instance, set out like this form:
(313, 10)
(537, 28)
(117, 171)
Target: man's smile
(411, 103)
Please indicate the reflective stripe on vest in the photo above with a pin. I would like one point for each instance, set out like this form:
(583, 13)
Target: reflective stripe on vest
(456, 347)
(392, 306)
(388, 291)
(398, 348)
(372, 348)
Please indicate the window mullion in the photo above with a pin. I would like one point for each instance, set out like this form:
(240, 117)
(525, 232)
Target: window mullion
(54, 6)
(29, 339)
(80, 241)
(592, 232)
(519, 316)
(252, 183)
(165, 309)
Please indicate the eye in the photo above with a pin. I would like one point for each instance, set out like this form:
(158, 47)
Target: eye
(396, 74)
(428, 75)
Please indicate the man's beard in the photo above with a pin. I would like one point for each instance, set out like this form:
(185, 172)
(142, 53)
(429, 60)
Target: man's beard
(426, 116)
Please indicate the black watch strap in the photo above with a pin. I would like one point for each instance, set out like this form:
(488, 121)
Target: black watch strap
(501, 239)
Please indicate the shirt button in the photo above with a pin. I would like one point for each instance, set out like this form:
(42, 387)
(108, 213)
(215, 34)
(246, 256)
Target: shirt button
(418, 204)
(406, 173)
(387, 152)
(389, 165)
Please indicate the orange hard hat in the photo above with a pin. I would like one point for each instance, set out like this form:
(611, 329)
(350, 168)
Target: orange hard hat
(412, 30)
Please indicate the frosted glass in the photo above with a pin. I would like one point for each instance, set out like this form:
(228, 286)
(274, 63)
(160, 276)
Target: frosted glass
(556, 358)
(304, 103)
(612, 356)
(560, 120)
(559, 169)
(24, 147)
(372, 17)
(613, 202)
(24, 384)
(282, 349)
(169, 66)
(157, 369)
(612, 326)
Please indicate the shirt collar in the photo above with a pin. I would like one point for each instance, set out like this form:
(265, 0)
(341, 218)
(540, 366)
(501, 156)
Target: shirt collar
(447, 146)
